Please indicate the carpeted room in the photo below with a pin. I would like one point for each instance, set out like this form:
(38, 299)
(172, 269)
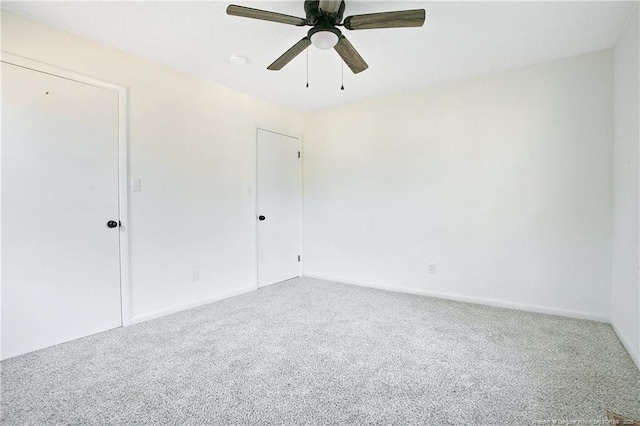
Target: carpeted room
(468, 246)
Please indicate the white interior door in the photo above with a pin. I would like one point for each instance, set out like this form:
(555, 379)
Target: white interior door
(60, 260)
(278, 201)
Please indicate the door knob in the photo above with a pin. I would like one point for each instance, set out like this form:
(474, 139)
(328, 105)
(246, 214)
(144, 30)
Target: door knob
(112, 224)
(261, 217)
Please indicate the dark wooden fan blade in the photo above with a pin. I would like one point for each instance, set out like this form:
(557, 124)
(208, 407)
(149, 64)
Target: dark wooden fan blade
(402, 18)
(330, 6)
(287, 56)
(248, 12)
(350, 55)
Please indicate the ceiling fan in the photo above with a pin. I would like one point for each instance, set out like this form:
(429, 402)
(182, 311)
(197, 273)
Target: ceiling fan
(325, 16)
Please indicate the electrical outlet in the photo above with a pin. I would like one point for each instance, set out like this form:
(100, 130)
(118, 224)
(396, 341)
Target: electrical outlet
(431, 268)
(195, 276)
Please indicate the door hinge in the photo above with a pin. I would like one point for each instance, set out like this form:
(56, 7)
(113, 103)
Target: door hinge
(298, 154)
(298, 258)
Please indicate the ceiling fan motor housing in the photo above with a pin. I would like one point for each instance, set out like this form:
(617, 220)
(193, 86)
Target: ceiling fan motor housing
(316, 16)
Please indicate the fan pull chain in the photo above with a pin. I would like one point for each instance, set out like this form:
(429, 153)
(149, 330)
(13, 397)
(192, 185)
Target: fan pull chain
(342, 74)
(307, 67)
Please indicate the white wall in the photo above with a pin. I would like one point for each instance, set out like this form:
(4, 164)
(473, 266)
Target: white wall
(625, 309)
(503, 181)
(193, 145)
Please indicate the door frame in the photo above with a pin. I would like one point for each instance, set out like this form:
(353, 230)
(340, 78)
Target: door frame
(294, 135)
(123, 143)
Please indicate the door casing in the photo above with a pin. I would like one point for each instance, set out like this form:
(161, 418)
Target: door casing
(300, 197)
(123, 208)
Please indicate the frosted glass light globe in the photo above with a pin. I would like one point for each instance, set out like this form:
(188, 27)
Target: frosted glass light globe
(324, 39)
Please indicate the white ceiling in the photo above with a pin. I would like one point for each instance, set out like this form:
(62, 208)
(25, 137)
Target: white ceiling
(459, 39)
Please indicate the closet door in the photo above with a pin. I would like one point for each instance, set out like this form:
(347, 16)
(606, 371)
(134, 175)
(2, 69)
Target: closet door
(60, 224)
(278, 201)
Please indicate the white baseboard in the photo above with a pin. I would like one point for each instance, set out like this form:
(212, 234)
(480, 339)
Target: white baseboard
(476, 300)
(635, 356)
(168, 311)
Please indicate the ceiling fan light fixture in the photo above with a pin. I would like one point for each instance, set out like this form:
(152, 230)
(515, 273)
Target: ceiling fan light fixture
(324, 40)
(325, 16)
